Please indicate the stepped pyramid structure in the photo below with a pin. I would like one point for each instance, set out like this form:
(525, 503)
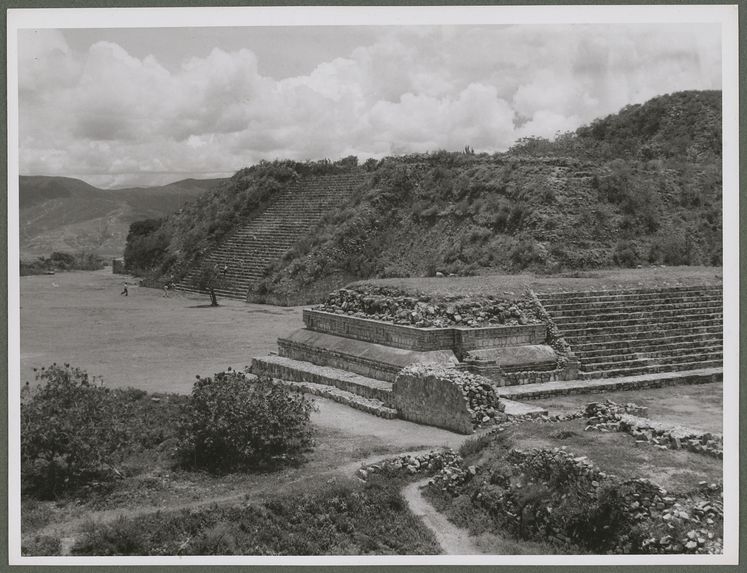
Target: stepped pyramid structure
(250, 249)
(619, 339)
(640, 331)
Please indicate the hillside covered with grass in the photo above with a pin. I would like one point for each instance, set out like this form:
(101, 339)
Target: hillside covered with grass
(69, 215)
(639, 187)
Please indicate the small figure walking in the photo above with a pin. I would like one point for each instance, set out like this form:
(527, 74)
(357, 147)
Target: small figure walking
(166, 290)
(124, 291)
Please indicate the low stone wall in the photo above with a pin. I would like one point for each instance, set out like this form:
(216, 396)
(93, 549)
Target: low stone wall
(326, 357)
(398, 336)
(609, 416)
(466, 339)
(446, 398)
(538, 494)
(459, 339)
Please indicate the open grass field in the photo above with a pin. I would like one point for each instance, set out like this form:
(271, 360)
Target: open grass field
(143, 340)
(698, 406)
(618, 453)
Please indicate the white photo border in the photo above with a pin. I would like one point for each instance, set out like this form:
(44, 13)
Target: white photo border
(724, 15)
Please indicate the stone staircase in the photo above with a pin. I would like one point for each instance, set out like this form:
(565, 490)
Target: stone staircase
(249, 250)
(360, 392)
(640, 331)
(625, 339)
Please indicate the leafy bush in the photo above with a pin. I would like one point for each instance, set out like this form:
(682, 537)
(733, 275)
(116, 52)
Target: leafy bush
(70, 430)
(233, 420)
(625, 254)
(74, 430)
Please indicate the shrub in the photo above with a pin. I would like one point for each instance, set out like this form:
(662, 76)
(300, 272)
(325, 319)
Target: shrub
(625, 254)
(69, 431)
(233, 421)
(41, 545)
(59, 261)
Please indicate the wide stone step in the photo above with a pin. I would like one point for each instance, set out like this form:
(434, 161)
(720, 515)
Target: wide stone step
(650, 369)
(628, 317)
(599, 385)
(645, 326)
(625, 294)
(298, 371)
(364, 358)
(586, 309)
(648, 335)
(620, 325)
(646, 361)
(368, 405)
(651, 342)
(676, 349)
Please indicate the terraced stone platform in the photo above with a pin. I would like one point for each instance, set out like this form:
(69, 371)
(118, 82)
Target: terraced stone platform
(624, 339)
(600, 385)
(249, 250)
(640, 331)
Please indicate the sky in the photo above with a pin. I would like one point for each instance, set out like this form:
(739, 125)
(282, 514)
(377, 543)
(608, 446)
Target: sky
(147, 106)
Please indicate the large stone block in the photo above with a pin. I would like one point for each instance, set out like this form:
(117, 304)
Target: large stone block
(427, 397)
(445, 397)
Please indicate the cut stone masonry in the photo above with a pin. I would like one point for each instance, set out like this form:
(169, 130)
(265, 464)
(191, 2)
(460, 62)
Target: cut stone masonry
(640, 331)
(639, 338)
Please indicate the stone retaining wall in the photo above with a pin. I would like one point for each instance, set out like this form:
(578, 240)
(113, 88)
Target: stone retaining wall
(466, 339)
(357, 364)
(422, 339)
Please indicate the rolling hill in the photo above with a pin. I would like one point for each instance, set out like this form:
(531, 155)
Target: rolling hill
(639, 187)
(66, 214)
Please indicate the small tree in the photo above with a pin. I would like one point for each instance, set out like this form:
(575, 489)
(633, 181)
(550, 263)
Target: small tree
(211, 278)
(233, 420)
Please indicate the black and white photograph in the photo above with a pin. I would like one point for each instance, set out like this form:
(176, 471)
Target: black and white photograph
(373, 286)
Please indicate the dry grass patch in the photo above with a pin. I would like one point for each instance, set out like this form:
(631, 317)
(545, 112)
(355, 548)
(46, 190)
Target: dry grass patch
(618, 453)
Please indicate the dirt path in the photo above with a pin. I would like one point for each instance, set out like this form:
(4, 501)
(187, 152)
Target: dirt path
(68, 530)
(452, 539)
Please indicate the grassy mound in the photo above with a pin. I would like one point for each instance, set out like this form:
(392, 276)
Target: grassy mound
(641, 187)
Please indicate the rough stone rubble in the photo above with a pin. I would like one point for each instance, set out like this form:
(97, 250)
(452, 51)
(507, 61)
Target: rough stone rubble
(423, 311)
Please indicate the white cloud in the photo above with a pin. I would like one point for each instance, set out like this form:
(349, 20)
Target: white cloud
(113, 118)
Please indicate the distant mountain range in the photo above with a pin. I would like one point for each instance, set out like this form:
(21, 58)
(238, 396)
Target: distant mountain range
(66, 214)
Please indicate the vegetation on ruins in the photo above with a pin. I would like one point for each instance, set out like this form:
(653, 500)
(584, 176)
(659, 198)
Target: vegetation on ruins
(59, 261)
(556, 496)
(639, 187)
(232, 421)
(424, 311)
(165, 247)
